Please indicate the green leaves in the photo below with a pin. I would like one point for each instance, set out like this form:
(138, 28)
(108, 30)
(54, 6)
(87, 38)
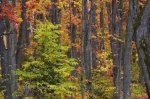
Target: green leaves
(49, 67)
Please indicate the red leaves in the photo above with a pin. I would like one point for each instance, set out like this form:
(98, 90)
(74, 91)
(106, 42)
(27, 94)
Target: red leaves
(7, 11)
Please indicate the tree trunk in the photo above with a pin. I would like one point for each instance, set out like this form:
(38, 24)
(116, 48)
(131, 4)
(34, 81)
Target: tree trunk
(23, 39)
(102, 28)
(120, 46)
(113, 28)
(73, 28)
(4, 63)
(143, 47)
(86, 46)
(12, 58)
(54, 13)
(92, 28)
(8, 59)
(127, 52)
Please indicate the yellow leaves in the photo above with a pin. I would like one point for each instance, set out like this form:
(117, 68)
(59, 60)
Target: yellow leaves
(64, 38)
(63, 4)
(29, 50)
(1, 93)
(19, 20)
(20, 78)
(110, 89)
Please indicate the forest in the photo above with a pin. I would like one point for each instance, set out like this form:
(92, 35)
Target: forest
(74, 49)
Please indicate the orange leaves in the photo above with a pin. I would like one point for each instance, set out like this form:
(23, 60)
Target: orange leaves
(35, 7)
(75, 20)
(8, 11)
(31, 4)
(38, 4)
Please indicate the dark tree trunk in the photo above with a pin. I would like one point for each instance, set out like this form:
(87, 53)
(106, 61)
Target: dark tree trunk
(23, 39)
(94, 43)
(73, 28)
(120, 47)
(86, 46)
(102, 28)
(143, 46)
(54, 13)
(84, 43)
(8, 59)
(5, 74)
(5, 63)
(127, 52)
(115, 30)
(12, 59)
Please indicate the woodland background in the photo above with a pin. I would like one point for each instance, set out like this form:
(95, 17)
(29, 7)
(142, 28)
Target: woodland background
(75, 49)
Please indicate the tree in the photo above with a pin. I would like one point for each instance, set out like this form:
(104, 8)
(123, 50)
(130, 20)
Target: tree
(23, 39)
(8, 45)
(49, 67)
(54, 12)
(115, 29)
(142, 41)
(127, 54)
(35, 36)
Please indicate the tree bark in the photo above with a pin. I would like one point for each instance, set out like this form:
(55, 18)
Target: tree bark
(54, 13)
(114, 30)
(8, 59)
(23, 39)
(102, 28)
(127, 52)
(5, 63)
(73, 28)
(92, 28)
(12, 59)
(143, 47)
(86, 46)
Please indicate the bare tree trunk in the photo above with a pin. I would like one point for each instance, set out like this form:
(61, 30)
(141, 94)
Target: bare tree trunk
(23, 39)
(73, 27)
(90, 61)
(127, 52)
(54, 13)
(12, 58)
(93, 31)
(120, 46)
(86, 46)
(5, 74)
(8, 57)
(143, 47)
(113, 28)
(4, 63)
(102, 28)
